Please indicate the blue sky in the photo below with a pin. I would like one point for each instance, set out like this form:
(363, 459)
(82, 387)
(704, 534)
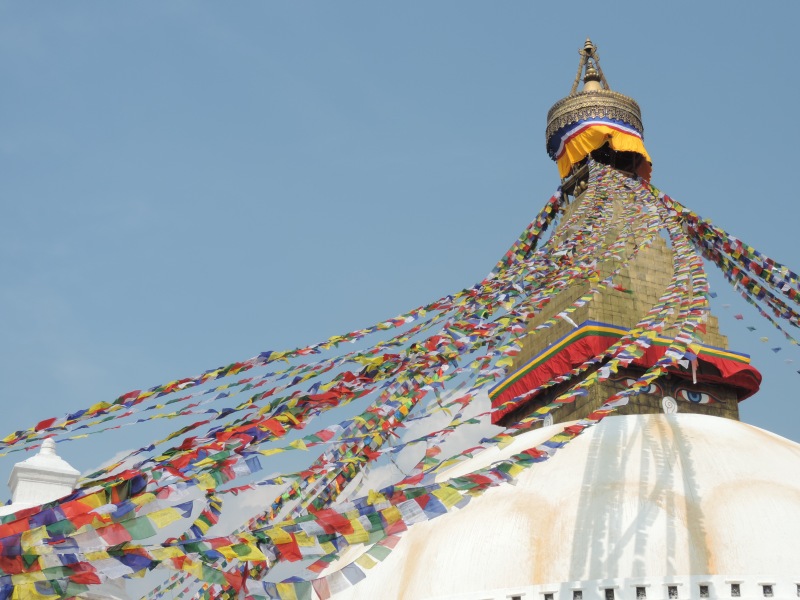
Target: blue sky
(185, 184)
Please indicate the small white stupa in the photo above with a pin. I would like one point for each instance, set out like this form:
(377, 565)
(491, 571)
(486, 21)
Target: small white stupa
(41, 478)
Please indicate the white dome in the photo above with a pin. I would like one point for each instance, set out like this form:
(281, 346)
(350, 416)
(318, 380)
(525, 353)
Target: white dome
(662, 503)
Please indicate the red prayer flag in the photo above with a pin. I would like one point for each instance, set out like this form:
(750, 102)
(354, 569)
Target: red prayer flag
(44, 424)
(332, 522)
(290, 550)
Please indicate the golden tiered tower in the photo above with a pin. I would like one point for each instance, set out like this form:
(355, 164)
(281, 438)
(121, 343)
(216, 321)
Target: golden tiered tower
(611, 126)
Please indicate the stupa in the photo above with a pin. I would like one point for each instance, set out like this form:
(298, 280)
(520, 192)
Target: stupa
(621, 469)
(672, 497)
(47, 477)
(43, 477)
(599, 124)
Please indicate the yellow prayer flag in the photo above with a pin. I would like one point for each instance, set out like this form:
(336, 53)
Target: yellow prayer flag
(446, 463)
(252, 553)
(505, 440)
(193, 568)
(359, 535)
(327, 547)
(505, 362)
(375, 497)
(299, 444)
(287, 591)
(283, 416)
(206, 482)
(278, 535)
(271, 451)
(392, 514)
(143, 499)
(29, 592)
(303, 539)
(28, 578)
(164, 517)
(448, 496)
(96, 555)
(365, 561)
(515, 469)
(32, 537)
(165, 553)
(95, 500)
(96, 407)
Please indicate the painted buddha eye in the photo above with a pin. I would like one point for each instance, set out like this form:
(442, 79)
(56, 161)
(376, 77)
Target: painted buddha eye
(696, 397)
(652, 388)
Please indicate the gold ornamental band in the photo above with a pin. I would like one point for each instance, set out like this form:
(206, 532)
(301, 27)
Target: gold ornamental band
(588, 105)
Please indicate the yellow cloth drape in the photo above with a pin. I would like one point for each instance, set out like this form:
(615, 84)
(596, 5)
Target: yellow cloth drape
(592, 138)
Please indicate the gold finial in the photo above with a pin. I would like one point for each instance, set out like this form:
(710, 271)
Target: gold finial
(589, 64)
(591, 80)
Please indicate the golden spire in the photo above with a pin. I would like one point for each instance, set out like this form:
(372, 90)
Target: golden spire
(595, 104)
(594, 76)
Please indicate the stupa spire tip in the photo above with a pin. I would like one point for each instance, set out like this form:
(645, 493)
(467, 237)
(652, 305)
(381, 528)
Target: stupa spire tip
(582, 114)
(589, 66)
